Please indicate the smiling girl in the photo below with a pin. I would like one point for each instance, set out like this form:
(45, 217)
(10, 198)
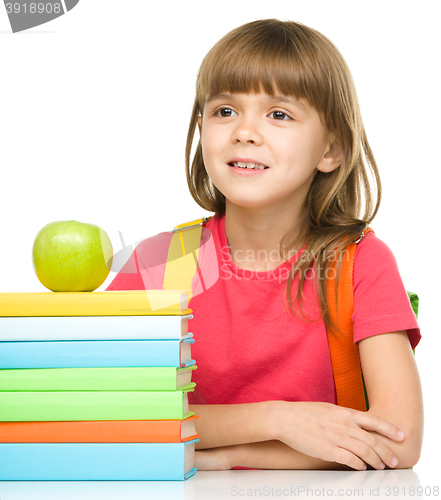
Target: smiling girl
(284, 163)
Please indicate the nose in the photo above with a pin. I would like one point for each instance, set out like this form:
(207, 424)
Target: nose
(247, 131)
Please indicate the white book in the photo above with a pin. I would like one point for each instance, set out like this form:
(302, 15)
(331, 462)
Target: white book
(14, 329)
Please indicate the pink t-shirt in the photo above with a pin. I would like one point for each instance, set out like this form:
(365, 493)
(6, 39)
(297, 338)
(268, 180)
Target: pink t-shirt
(248, 348)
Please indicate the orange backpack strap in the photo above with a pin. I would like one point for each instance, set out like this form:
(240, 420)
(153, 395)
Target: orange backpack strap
(345, 358)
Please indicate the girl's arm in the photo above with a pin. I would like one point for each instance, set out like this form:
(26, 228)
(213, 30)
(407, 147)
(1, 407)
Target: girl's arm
(290, 435)
(264, 455)
(327, 433)
(394, 389)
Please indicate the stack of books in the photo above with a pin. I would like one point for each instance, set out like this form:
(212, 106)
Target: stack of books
(93, 386)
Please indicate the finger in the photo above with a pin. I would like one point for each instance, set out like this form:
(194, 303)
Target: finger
(379, 447)
(345, 457)
(370, 422)
(365, 452)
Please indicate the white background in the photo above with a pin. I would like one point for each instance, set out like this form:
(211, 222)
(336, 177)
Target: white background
(94, 110)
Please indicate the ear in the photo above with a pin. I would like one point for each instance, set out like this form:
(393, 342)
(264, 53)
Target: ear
(333, 157)
(200, 124)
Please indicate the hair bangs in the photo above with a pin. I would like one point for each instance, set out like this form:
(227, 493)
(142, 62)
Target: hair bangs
(263, 60)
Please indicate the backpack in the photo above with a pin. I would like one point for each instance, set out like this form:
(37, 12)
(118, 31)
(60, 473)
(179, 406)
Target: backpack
(182, 265)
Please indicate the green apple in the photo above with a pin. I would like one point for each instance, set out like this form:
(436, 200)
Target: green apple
(71, 256)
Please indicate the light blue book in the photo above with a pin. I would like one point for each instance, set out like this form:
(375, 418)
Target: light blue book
(94, 328)
(97, 461)
(96, 353)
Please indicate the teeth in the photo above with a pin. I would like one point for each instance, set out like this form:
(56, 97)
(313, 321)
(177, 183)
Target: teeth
(242, 164)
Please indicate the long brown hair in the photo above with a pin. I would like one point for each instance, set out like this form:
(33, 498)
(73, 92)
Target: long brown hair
(292, 59)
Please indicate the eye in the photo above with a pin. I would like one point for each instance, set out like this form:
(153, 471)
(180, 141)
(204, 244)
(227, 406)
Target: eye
(280, 115)
(224, 112)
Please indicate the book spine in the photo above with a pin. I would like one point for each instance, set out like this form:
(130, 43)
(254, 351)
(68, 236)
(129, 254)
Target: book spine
(93, 405)
(93, 379)
(110, 431)
(94, 462)
(94, 328)
(145, 302)
(101, 353)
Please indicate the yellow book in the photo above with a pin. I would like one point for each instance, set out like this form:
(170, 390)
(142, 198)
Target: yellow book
(111, 303)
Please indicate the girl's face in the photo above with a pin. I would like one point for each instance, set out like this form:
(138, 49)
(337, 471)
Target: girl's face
(281, 133)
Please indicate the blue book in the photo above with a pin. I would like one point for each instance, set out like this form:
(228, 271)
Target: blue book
(93, 354)
(97, 461)
(94, 328)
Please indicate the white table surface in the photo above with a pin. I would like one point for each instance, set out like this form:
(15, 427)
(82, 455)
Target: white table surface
(232, 484)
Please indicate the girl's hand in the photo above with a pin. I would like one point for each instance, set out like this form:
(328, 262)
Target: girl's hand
(335, 434)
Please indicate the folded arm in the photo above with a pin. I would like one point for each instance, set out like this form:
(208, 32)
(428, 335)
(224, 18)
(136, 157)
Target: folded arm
(299, 435)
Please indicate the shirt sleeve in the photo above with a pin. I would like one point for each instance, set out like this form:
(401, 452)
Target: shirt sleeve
(145, 267)
(129, 277)
(381, 303)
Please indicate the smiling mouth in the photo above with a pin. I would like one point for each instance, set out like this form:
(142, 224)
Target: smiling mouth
(241, 164)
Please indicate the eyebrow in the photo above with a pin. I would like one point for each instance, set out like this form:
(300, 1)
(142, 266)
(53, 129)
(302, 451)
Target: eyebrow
(272, 98)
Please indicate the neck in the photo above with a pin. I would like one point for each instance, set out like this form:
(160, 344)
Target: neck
(254, 236)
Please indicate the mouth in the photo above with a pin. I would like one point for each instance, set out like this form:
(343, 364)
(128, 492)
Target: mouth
(247, 165)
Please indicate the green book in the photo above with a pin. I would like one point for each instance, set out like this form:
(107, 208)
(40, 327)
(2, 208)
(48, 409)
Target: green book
(97, 379)
(94, 405)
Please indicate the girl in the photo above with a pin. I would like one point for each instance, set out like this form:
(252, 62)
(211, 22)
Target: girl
(283, 162)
